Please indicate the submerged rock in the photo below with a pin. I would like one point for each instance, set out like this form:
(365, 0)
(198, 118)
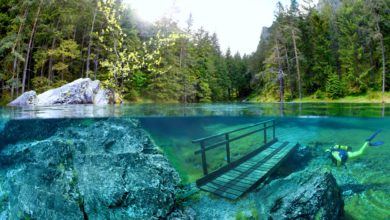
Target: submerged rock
(80, 91)
(30, 130)
(107, 169)
(302, 195)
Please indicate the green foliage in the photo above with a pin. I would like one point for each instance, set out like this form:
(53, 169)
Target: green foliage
(334, 87)
(59, 83)
(338, 49)
(319, 95)
(40, 84)
(165, 63)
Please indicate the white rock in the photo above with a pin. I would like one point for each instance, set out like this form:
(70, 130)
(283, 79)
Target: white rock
(81, 91)
(26, 99)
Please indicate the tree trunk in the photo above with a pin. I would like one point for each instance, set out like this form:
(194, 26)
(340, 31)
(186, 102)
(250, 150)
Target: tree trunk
(290, 76)
(383, 63)
(280, 74)
(297, 62)
(53, 44)
(17, 79)
(30, 67)
(90, 44)
(16, 57)
(62, 72)
(95, 65)
(29, 48)
(372, 64)
(116, 63)
(81, 55)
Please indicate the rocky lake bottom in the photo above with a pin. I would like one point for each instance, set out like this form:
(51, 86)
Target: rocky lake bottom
(139, 168)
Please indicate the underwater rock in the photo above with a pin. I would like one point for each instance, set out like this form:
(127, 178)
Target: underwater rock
(105, 169)
(302, 195)
(27, 98)
(80, 91)
(30, 130)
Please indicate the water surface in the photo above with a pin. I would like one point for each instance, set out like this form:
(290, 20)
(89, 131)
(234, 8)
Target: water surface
(365, 180)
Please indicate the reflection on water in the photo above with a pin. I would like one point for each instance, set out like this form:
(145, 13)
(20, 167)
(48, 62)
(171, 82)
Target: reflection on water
(162, 110)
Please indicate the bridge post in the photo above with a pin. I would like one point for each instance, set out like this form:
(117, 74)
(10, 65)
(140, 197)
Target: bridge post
(227, 148)
(273, 129)
(265, 133)
(204, 162)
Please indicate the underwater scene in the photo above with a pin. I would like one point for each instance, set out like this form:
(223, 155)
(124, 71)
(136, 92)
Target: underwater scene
(139, 161)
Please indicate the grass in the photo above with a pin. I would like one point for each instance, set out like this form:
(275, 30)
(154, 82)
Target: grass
(369, 97)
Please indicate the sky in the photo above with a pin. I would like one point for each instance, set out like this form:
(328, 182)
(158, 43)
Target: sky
(238, 23)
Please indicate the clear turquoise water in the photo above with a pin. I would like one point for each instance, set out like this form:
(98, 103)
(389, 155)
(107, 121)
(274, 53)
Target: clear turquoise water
(318, 126)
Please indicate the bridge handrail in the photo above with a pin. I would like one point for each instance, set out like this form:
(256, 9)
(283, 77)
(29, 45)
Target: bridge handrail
(228, 140)
(228, 132)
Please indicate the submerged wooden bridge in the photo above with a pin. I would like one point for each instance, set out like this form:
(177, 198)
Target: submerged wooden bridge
(242, 175)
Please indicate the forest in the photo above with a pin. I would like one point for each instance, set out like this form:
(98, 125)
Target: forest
(328, 50)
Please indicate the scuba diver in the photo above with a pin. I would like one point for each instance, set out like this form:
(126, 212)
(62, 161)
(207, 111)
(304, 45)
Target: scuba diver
(341, 153)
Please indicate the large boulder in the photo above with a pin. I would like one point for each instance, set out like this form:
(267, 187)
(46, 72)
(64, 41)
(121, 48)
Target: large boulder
(81, 91)
(302, 195)
(104, 169)
(30, 130)
(27, 98)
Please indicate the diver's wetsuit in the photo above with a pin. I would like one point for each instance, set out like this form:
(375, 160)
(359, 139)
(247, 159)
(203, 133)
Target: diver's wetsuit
(340, 153)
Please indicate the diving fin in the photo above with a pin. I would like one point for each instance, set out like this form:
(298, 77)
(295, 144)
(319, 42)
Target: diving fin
(373, 135)
(376, 144)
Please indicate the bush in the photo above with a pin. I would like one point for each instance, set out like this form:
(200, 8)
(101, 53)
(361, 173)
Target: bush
(5, 98)
(40, 84)
(371, 95)
(319, 94)
(132, 95)
(59, 83)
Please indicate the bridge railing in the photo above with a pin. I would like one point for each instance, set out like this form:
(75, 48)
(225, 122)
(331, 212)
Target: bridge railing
(227, 139)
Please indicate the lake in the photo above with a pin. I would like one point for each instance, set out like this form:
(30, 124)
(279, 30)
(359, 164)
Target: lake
(317, 126)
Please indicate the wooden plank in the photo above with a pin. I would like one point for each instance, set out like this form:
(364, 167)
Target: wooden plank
(234, 191)
(241, 169)
(241, 180)
(208, 188)
(222, 184)
(243, 185)
(237, 181)
(228, 178)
